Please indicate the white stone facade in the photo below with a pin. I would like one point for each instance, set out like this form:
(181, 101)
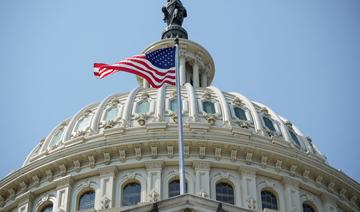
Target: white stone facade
(242, 143)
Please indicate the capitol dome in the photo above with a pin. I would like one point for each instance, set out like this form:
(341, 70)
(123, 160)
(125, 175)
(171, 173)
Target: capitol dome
(121, 154)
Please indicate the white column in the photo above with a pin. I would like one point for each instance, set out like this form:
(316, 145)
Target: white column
(154, 189)
(292, 195)
(25, 200)
(145, 84)
(107, 177)
(204, 79)
(248, 184)
(329, 202)
(182, 70)
(196, 82)
(62, 202)
(202, 179)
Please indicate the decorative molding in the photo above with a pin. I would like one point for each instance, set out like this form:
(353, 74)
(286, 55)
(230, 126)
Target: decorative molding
(65, 182)
(122, 155)
(306, 173)
(2, 201)
(154, 151)
(353, 200)
(201, 165)
(23, 186)
(290, 181)
(154, 164)
(264, 160)
(130, 176)
(251, 203)
(105, 203)
(170, 151)
(225, 175)
(138, 153)
(92, 161)
(342, 193)
(248, 171)
(278, 164)
(319, 179)
(233, 155)
(293, 170)
(12, 193)
(248, 157)
(154, 196)
(107, 158)
(187, 151)
(331, 187)
(36, 180)
(62, 169)
(49, 175)
(202, 152)
(77, 165)
(203, 194)
(237, 102)
(217, 153)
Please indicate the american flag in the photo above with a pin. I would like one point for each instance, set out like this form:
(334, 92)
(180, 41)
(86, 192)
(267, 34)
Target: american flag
(157, 67)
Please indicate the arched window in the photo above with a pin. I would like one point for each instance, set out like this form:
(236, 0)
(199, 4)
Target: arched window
(83, 123)
(131, 194)
(240, 113)
(111, 114)
(294, 138)
(47, 208)
(268, 200)
(143, 107)
(269, 124)
(225, 193)
(173, 105)
(174, 188)
(87, 200)
(307, 208)
(209, 107)
(56, 139)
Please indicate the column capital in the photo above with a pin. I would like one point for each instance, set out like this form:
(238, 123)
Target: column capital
(65, 182)
(154, 164)
(203, 165)
(108, 171)
(290, 181)
(328, 197)
(25, 198)
(183, 50)
(246, 170)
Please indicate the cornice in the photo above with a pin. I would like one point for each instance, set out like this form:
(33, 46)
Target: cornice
(219, 145)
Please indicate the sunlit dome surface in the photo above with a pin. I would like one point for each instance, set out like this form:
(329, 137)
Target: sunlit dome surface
(143, 107)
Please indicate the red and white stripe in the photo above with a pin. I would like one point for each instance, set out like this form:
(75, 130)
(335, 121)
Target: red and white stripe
(138, 65)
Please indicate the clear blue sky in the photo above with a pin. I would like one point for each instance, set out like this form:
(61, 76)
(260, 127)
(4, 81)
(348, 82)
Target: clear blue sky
(301, 58)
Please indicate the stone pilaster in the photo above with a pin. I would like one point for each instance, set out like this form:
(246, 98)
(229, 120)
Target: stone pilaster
(329, 202)
(292, 195)
(106, 198)
(248, 184)
(202, 179)
(154, 169)
(63, 190)
(25, 202)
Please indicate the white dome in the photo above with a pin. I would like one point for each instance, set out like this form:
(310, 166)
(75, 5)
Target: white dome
(119, 112)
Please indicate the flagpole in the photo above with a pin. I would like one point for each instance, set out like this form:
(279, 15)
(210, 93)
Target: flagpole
(180, 123)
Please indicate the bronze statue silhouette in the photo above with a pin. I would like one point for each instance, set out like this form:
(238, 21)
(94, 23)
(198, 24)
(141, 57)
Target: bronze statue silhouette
(174, 12)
